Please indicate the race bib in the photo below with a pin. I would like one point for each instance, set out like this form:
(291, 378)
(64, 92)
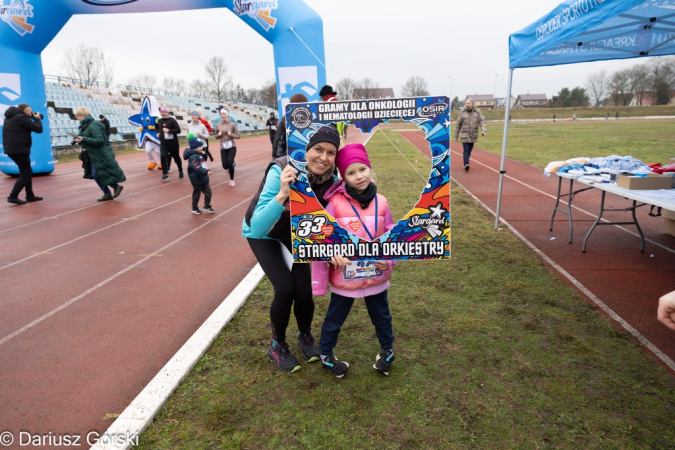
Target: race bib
(227, 145)
(273, 127)
(360, 269)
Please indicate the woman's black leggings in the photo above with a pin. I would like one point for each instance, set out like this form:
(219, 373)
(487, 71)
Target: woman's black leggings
(227, 158)
(292, 288)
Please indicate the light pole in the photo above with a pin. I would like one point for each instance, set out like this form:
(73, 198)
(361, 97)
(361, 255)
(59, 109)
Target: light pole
(495, 94)
(451, 98)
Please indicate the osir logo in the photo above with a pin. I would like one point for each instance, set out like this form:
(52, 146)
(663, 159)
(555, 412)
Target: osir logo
(432, 110)
(15, 13)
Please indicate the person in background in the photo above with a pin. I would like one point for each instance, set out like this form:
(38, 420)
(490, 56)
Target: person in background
(279, 144)
(467, 125)
(105, 122)
(20, 122)
(207, 124)
(271, 125)
(666, 310)
(267, 228)
(199, 175)
(328, 94)
(99, 161)
(198, 129)
(227, 132)
(167, 132)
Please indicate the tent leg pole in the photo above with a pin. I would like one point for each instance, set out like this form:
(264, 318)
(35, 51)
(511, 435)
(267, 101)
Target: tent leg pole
(507, 114)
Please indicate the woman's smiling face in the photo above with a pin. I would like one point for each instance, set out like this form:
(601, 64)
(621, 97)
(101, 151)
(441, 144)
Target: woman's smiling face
(320, 157)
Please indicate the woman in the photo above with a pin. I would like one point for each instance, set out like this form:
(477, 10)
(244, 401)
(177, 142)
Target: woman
(227, 132)
(98, 159)
(267, 227)
(467, 123)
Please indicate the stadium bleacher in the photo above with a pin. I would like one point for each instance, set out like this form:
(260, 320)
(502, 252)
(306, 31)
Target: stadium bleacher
(62, 100)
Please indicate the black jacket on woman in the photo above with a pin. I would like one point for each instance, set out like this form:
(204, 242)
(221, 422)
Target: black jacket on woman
(16, 132)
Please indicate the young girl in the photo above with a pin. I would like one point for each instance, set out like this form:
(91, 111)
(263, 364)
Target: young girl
(356, 205)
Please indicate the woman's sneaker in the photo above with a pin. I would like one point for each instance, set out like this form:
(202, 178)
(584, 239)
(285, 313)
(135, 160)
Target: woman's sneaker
(337, 368)
(383, 361)
(310, 351)
(196, 211)
(209, 210)
(282, 356)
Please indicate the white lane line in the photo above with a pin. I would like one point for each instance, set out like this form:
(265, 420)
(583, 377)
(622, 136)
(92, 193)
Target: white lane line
(111, 226)
(139, 414)
(94, 205)
(113, 277)
(609, 311)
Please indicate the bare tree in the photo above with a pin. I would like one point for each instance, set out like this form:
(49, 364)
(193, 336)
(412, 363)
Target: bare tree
(367, 88)
(662, 78)
(176, 85)
(619, 84)
(345, 88)
(639, 81)
(268, 93)
(145, 82)
(218, 78)
(415, 86)
(87, 64)
(200, 88)
(597, 84)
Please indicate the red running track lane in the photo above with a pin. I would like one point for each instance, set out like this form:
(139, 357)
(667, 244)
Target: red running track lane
(612, 269)
(95, 298)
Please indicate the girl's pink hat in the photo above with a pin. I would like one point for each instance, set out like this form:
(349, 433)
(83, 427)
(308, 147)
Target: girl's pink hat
(350, 154)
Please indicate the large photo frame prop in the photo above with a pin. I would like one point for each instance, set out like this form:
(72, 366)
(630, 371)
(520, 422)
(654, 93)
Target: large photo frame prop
(423, 233)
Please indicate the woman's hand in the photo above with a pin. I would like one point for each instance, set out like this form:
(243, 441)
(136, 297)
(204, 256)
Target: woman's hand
(339, 261)
(78, 139)
(382, 265)
(219, 134)
(287, 177)
(166, 130)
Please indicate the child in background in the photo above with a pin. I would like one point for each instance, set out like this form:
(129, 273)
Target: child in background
(199, 175)
(356, 205)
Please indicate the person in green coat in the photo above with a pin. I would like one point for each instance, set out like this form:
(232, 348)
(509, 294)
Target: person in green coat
(98, 159)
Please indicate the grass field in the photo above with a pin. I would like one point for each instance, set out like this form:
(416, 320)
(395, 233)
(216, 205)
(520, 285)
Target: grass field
(493, 350)
(582, 113)
(540, 143)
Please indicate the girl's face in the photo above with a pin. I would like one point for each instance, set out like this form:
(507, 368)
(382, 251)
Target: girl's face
(195, 119)
(225, 117)
(358, 176)
(321, 157)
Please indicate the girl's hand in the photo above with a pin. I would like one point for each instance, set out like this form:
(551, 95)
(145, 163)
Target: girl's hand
(287, 177)
(666, 310)
(219, 134)
(209, 173)
(339, 261)
(382, 265)
(229, 133)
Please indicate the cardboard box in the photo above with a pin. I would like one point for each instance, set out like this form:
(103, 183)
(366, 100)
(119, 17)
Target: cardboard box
(669, 227)
(668, 214)
(651, 181)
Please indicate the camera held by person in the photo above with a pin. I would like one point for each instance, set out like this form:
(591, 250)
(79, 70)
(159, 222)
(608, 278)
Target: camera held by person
(37, 114)
(76, 141)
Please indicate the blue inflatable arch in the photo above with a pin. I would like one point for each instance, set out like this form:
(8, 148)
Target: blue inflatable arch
(28, 26)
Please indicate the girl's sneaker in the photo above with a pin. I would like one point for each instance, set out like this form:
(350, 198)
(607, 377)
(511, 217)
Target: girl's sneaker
(282, 356)
(331, 364)
(196, 211)
(310, 351)
(383, 361)
(209, 210)
(231, 183)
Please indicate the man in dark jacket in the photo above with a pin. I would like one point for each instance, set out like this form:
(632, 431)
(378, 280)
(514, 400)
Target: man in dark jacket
(20, 122)
(105, 122)
(167, 132)
(271, 125)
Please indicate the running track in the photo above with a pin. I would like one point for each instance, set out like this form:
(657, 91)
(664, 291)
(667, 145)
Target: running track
(95, 298)
(612, 271)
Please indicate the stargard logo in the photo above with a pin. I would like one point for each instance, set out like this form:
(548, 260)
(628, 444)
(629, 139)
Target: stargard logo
(260, 10)
(15, 13)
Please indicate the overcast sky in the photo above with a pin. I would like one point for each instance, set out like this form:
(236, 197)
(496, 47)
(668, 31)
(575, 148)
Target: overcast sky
(386, 41)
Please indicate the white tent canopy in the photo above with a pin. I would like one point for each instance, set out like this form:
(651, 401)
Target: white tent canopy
(589, 30)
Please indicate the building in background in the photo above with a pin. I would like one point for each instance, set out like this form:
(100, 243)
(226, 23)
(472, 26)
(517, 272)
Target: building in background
(531, 101)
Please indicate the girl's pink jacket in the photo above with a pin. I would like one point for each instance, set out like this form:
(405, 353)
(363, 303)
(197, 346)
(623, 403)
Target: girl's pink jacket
(340, 206)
